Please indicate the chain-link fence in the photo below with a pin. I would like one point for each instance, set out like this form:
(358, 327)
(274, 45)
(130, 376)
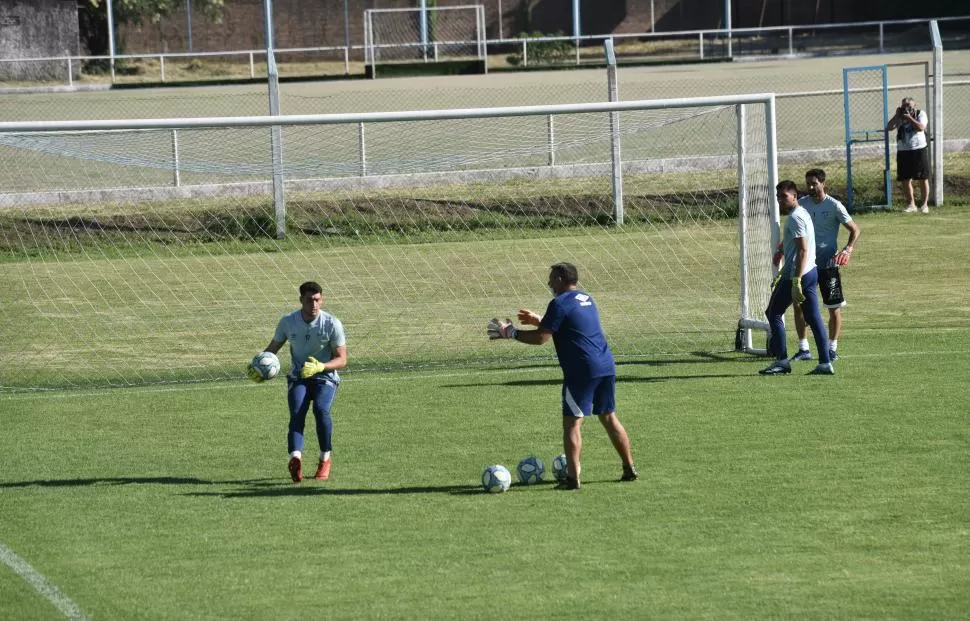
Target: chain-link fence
(810, 110)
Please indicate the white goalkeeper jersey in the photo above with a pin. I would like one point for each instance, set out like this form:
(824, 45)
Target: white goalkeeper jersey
(317, 338)
(827, 217)
(798, 225)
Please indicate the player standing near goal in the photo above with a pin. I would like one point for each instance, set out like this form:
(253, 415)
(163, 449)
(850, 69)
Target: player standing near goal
(797, 282)
(589, 371)
(827, 215)
(318, 348)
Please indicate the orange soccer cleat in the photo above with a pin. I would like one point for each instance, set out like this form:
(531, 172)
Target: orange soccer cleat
(323, 470)
(296, 469)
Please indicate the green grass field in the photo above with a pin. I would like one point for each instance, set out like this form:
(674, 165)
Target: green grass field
(798, 497)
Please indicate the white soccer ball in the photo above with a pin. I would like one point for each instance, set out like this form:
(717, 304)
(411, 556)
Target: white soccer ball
(267, 364)
(559, 468)
(496, 479)
(530, 470)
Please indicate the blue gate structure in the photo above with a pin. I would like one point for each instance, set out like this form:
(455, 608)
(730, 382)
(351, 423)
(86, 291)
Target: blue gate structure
(865, 96)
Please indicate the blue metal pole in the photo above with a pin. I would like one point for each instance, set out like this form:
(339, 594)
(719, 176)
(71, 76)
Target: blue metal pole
(111, 36)
(577, 32)
(848, 138)
(268, 13)
(424, 25)
(346, 25)
(188, 17)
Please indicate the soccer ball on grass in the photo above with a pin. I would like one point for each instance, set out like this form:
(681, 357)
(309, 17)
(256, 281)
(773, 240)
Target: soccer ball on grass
(559, 468)
(496, 479)
(266, 364)
(530, 470)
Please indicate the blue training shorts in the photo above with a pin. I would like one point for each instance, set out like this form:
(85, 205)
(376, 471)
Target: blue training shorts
(589, 396)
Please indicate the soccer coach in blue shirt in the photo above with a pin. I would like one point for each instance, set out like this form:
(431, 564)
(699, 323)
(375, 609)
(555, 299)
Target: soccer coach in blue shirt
(589, 371)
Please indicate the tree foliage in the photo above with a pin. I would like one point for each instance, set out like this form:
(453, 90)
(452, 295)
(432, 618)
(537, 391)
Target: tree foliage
(93, 19)
(138, 11)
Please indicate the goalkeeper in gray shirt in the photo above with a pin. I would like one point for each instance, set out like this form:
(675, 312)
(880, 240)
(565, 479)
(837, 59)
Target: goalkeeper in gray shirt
(318, 348)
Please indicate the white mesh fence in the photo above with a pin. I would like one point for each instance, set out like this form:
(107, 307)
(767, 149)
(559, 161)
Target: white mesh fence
(110, 278)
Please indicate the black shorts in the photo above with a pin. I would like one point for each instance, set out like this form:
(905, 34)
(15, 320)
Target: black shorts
(830, 284)
(913, 164)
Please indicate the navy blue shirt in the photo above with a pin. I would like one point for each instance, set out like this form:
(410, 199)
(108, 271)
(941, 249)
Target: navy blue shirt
(580, 343)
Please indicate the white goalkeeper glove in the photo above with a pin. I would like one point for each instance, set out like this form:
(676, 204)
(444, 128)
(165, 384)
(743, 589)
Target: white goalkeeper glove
(500, 329)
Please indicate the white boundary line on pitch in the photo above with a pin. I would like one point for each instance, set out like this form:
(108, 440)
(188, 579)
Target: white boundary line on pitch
(50, 592)
(365, 377)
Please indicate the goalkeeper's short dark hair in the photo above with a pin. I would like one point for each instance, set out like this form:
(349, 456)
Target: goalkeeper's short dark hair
(818, 173)
(787, 186)
(310, 287)
(566, 272)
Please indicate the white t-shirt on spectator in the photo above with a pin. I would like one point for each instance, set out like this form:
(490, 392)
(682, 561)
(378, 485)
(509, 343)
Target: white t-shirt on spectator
(908, 138)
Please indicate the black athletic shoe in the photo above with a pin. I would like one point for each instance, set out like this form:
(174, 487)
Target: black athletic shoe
(802, 354)
(568, 483)
(779, 367)
(629, 473)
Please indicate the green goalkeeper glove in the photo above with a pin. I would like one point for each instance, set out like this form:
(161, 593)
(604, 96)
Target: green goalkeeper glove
(253, 373)
(311, 367)
(797, 295)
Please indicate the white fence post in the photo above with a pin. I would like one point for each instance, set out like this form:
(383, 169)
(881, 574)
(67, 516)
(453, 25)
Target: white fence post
(176, 176)
(613, 93)
(362, 149)
(551, 139)
(937, 120)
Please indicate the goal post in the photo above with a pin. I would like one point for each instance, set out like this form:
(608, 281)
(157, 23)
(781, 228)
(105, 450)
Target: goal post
(142, 282)
(401, 38)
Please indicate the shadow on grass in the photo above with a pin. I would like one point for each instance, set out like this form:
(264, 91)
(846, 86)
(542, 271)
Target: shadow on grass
(128, 481)
(312, 488)
(620, 380)
(698, 358)
(275, 487)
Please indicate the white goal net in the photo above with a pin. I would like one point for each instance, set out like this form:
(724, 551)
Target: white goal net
(136, 252)
(433, 34)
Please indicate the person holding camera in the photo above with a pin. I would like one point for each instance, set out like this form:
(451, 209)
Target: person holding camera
(912, 152)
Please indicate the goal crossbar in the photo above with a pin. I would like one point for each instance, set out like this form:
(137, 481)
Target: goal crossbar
(386, 117)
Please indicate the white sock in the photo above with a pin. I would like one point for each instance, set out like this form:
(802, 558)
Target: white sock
(297, 454)
(834, 345)
(802, 344)
(324, 455)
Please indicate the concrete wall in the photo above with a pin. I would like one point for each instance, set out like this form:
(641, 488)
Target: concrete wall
(36, 29)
